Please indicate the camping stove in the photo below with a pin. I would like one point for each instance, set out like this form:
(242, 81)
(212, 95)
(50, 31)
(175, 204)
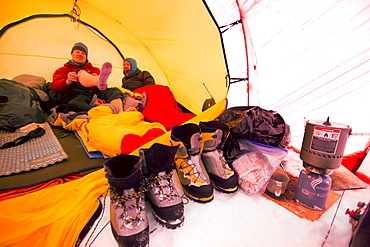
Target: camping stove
(322, 152)
(324, 143)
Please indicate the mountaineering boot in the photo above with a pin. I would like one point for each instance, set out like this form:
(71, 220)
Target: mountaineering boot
(188, 163)
(214, 135)
(166, 202)
(128, 217)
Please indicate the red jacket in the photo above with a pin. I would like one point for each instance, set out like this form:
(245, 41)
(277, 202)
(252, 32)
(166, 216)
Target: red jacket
(60, 76)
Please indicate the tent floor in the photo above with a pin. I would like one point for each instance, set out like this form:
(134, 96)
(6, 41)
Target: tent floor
(241, 220)
(77, 162)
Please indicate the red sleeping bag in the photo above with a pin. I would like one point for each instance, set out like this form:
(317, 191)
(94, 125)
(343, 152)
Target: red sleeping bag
(162, 107)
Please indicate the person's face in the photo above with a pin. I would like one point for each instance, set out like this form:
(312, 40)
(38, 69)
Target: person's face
(78, 57)
(126, 66)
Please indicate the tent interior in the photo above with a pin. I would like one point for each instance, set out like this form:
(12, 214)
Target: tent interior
(306, 60)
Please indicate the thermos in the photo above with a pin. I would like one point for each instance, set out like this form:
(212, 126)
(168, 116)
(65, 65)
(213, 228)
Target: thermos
(313, 189)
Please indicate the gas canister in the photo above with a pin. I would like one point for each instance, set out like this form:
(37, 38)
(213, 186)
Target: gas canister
(312, 189)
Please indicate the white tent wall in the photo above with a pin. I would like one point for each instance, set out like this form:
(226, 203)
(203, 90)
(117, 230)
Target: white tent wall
(226, 13)
(308, 60)
(312, 60)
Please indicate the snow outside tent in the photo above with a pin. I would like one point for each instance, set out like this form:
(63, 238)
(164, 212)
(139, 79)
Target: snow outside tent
(305, 59)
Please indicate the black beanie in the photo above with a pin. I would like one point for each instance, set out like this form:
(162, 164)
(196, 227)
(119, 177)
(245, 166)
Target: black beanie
(81, 47)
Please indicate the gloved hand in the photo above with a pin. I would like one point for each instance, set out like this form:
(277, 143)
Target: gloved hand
(137, 96)
(132, 94)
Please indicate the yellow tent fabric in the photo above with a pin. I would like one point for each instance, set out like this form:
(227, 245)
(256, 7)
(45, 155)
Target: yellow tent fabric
(56, 216)
(176, 40)
(53, 216)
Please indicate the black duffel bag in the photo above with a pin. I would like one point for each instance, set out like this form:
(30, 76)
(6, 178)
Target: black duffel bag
(255, 124)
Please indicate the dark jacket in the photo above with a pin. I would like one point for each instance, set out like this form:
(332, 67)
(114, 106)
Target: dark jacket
(137, 79)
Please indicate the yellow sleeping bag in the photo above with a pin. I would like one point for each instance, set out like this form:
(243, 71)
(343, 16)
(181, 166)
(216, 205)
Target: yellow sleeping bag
(56, 216)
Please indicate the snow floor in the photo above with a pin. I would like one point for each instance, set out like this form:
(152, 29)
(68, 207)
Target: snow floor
(239, 219)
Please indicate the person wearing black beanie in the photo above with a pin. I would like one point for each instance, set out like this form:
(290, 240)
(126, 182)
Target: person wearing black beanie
(77, 95)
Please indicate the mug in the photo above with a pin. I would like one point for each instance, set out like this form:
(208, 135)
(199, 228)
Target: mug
(278, 183)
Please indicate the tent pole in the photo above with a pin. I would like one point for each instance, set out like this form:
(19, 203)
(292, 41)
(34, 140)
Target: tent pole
(246, 53)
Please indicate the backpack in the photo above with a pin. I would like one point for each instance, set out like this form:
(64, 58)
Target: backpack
(18, 106)
(256, 124)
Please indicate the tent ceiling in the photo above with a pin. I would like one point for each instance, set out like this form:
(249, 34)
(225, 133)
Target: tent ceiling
(177, 41)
